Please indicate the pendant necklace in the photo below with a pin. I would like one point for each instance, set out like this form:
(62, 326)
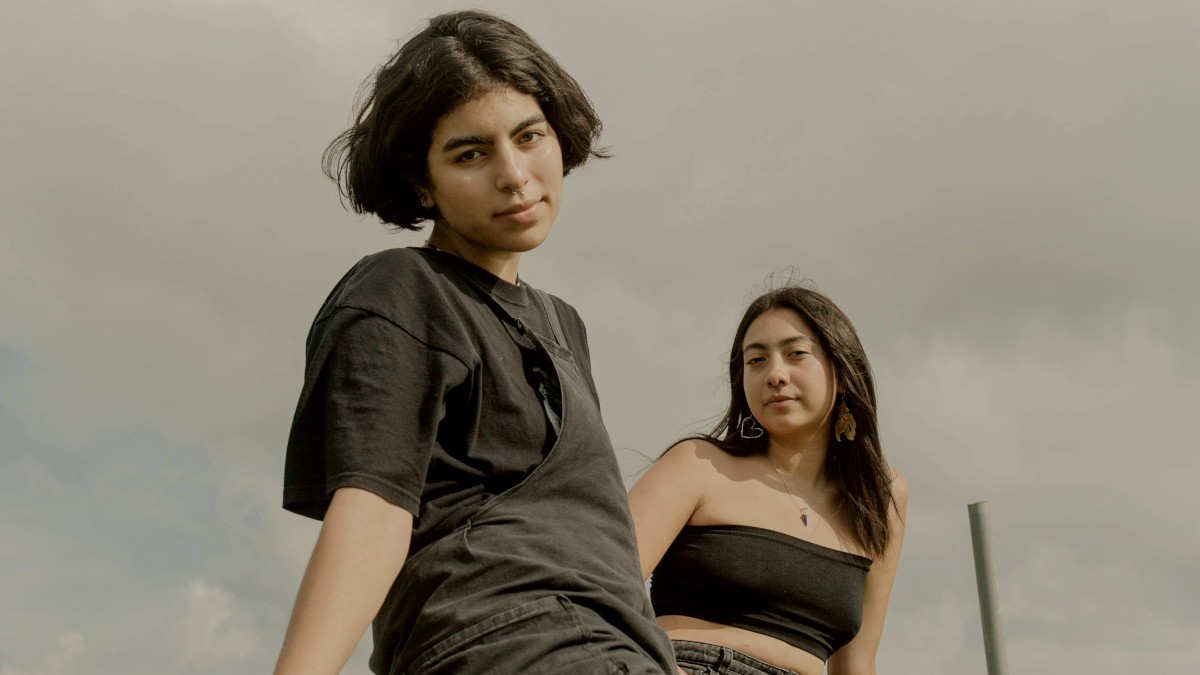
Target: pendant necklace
(802, 509)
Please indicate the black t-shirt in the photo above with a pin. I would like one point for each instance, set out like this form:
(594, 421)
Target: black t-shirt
(416, 391)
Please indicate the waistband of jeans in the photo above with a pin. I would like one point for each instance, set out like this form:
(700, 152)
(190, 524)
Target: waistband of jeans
(716, 655)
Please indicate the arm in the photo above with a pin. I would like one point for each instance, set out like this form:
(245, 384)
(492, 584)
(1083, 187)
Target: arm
(664, 500)
(858, 657)
(363, 543)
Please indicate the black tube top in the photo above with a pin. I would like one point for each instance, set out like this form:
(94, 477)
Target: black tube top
(805, 594)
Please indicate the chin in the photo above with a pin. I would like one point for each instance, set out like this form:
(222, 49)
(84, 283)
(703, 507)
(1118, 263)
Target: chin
(531, 238)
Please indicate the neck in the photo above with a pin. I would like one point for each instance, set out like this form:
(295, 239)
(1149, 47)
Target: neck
(801, 459)
(503, 264)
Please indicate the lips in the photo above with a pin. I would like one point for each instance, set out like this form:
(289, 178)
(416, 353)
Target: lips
(519, 208)
(780, 402)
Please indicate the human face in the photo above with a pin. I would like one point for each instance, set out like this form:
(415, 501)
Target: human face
(484, 154)
(787, 377)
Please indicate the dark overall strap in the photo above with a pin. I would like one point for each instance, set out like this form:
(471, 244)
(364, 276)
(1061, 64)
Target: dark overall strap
(543, 388)
(555, 325)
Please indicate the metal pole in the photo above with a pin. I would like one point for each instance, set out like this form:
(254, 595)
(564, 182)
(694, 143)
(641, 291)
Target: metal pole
(989, 599)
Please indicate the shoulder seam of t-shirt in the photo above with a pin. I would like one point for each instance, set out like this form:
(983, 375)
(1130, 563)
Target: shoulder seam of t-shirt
(573, 326)
(381, 317)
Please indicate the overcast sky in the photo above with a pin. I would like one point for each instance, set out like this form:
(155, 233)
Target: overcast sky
(1003, 196)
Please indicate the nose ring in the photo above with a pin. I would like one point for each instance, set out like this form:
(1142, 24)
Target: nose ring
(515, 191)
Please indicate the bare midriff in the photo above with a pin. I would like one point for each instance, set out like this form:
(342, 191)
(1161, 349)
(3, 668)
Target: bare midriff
(771, 650)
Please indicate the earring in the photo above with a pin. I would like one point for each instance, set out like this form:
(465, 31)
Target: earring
(749, 432)
(422, 198)
(845, 423)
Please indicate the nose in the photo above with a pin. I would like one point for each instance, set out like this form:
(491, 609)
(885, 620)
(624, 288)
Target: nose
(511, 172)
(777, 374)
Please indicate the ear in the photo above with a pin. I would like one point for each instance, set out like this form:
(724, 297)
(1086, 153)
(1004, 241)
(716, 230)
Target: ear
(419, 184)
(426, 197)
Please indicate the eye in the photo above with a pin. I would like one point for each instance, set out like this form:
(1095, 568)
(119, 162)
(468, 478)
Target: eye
(798, 353)
(530, 136)
(753, 360)
(468, 156)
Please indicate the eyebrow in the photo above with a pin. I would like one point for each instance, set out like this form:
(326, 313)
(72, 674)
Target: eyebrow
(460, 141)
(782, 343)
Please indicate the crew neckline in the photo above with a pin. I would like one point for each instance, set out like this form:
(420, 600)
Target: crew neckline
(514, 294)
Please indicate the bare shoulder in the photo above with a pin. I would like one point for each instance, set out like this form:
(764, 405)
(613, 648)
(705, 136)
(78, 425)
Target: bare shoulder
(899, 482)
(693, 466)
(698, 456)
(899, 489)
(689, 451)
(681, 467)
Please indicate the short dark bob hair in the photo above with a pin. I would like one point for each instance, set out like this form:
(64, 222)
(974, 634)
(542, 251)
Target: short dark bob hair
(380, 160)
(855, 468)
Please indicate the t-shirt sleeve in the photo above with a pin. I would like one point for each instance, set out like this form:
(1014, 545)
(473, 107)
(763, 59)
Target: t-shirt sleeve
(369, 416)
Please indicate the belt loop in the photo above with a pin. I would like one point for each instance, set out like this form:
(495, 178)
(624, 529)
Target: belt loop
(726, 659)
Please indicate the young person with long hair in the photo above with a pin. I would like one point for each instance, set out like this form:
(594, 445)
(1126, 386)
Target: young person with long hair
(448, 431)
(773, 541)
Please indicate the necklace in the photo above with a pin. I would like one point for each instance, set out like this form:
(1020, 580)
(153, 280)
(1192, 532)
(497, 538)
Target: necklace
(802, 509)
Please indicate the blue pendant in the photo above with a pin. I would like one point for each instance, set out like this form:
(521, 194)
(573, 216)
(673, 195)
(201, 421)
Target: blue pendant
(804, 519)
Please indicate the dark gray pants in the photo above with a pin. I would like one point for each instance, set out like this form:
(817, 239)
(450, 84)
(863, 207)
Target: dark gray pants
(550, 635)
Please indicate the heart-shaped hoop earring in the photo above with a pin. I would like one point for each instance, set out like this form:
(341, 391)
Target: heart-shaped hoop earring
(748, 428)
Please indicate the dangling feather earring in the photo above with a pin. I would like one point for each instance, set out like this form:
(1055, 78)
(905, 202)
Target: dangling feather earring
(845, 423)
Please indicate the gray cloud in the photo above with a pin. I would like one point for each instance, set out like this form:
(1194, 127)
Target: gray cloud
(1002, 197)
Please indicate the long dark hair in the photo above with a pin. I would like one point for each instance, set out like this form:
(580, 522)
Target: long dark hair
(855, 469)
(382, 157)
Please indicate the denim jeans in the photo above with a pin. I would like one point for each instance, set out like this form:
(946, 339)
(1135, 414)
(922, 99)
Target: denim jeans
(549, 636)
(701, 658)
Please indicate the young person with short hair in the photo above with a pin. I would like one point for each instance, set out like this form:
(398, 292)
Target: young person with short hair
(448, 431)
